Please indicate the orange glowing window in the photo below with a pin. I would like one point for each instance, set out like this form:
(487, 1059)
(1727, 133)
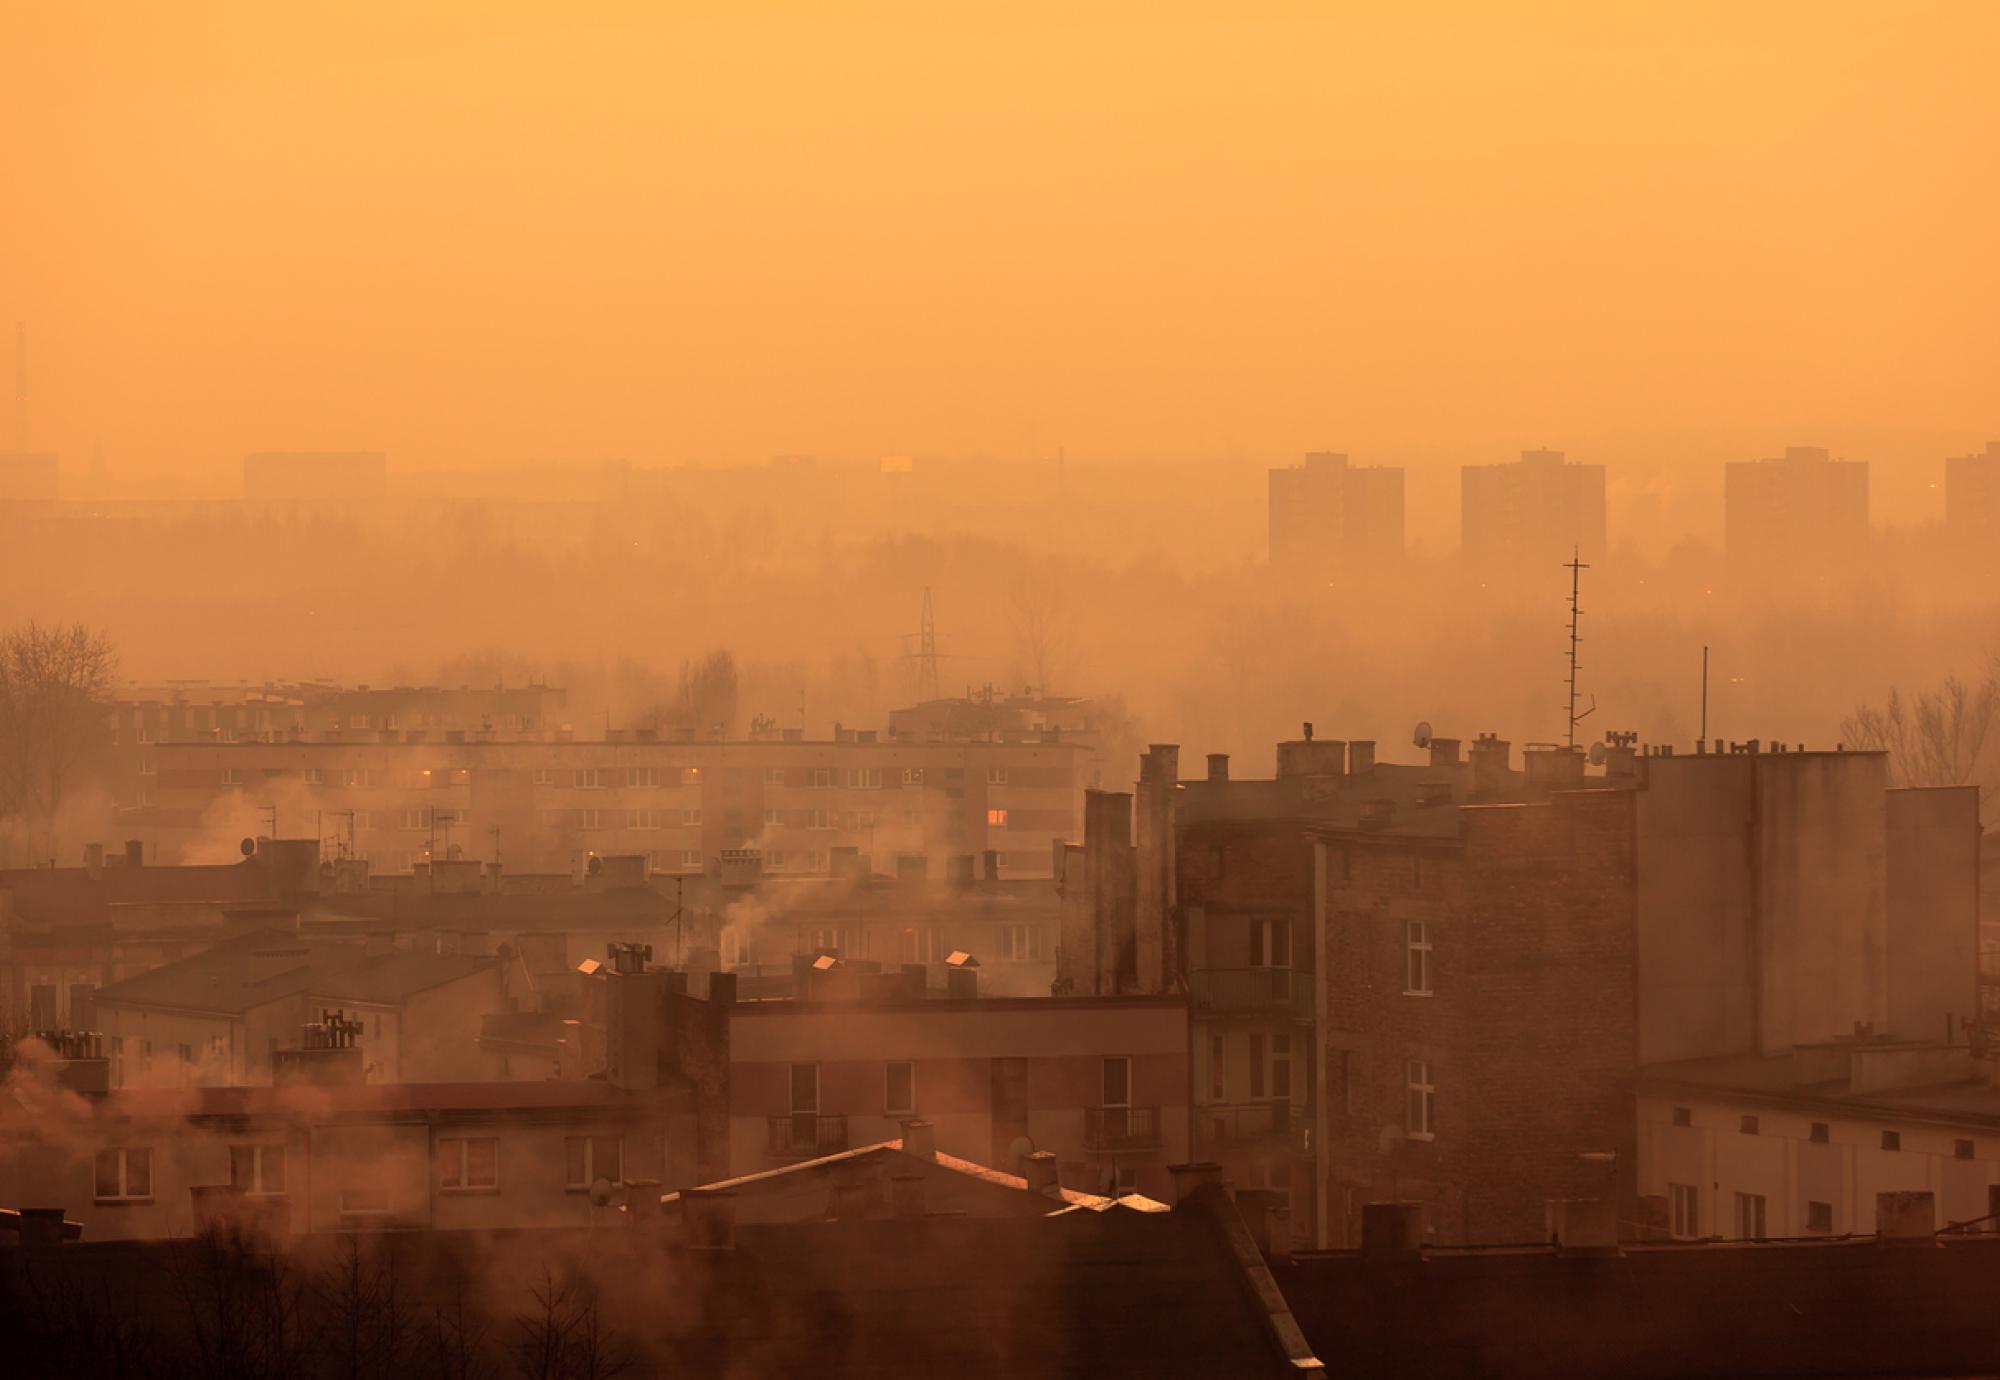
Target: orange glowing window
(996, 817)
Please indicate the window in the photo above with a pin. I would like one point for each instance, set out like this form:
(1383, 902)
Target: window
(231, 776)
(590, 819)
(827, 939)
(899, 1089)
(815, 861)
(1218, 1068)
(822, 778)
(1271, 943)
(124, 1172)
(117, 1061)
(1747, 1125)
(691, 857)
(1021, 943)
(1259, 1067)
(734, 954)
(1819, 1218)
(1117, 1081)
(642, 819)
(314, 777)
(997, 817)
(687, 776)
(467, 1164)
(419, 818)
(774, 776)
(642, 776)
(1892, 1140)
(1683, 1211)
(367, 1200)
(1818, 1134)
(690, 819)
(1962, 1149)
(996, 776)
(818, 819)
(186, 1053)
(1683, 1116)
(360, 776)
(1417, 941)
(1281, 1066)
(359, 721)
(148, 767)
(913, 776)
(257, 1168)
(1421, 1113)
(588, 778)
(774, 860)
(587, 1159)
(543, 776)
(1124, 1180)
(1750, 1216)
(864, 778)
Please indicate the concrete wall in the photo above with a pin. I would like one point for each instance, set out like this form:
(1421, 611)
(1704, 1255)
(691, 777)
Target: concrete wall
(1934, 909)
(1761, 901)
(1782, 1163)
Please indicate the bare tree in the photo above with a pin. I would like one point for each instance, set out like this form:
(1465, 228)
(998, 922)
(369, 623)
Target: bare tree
(53, 682)
(1935, 738)
(1044, 631)
(366, 1321)
(704, 698)
(563, 1339)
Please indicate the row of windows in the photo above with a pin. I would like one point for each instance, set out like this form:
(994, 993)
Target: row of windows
(1819, 1133)
(899, 1086)
(124, 1173)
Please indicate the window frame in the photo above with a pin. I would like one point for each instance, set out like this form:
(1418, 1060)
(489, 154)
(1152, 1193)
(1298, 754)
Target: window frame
(1418, 949)
(457, 1161)
(1419, 1099)
(124, 1157)
(259, 1155)
(590, 1145)
(1684, 1211)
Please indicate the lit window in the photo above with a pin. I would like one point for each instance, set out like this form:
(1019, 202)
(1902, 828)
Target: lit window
(124, 1172)
(997, 817)
(469, 1163)
(1421, 1113)
(1417, 941)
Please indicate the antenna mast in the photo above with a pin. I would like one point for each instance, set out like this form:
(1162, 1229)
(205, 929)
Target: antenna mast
(927, 653)
(1576, 567)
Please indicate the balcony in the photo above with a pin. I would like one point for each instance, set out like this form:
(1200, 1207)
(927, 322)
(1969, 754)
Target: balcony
(806, 1136)
(1250, 1126)
(1109, 1130)
(1283, 992)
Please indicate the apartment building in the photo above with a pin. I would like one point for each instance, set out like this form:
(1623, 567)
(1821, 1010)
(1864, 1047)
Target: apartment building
(1802, 513)
(1533, 512)
(1328, 516)
(399, 798)
(1972, 500)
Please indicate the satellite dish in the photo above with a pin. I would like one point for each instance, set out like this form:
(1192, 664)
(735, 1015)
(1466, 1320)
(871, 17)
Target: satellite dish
(1422, 737)
(249, 846)
(595, 865)
(601, 1190)
(1597, 754)
(1020, 1149)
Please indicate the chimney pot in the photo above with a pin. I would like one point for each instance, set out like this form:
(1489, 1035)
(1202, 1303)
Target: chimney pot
(919, 1138)
(1043, 1174)
(1218, 766)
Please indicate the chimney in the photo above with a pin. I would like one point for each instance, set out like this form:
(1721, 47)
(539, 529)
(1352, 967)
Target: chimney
(1360, 756)
(1189, 1177)
(920, 1139)
(135, 853)
(1392, 1228)
(1906, 1218)
(1218, 767)
(1255, 1206)
(1491, 757)
(39, 1226)
(907, 1193)
(961, 983)
(642, 1201)
(1444, 752)
(93, 861)
(1042, 1173)
(708, 1218)
(722, 989)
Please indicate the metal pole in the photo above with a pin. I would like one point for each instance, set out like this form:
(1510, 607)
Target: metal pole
(1704, 694)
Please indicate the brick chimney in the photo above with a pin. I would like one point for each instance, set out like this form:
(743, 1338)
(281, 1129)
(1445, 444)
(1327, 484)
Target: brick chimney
(1491, 758)
(1444, 752)
(1360, 756)
(1218, 767)
(1043, 1174)
(920, 1139)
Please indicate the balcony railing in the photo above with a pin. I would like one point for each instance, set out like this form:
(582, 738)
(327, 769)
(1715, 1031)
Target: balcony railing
(1107, 1129)
(1254, 991)
(806, 1135)
(1250, 1125)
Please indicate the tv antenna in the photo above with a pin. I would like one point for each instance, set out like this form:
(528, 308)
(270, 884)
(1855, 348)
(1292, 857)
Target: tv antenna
(1575, 565)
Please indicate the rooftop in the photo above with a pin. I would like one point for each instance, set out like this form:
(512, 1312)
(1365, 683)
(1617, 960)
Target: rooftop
(269, 965)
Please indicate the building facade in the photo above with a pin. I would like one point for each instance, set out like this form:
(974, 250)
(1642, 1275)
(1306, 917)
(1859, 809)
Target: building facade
(1534, 511)
(1802, 513)
(1328, 516)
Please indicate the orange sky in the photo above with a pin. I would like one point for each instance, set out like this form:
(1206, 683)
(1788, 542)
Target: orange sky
(494, 232)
